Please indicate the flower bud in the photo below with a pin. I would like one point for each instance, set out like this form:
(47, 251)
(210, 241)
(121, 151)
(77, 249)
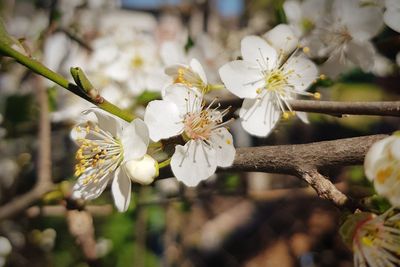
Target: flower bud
(142, 171)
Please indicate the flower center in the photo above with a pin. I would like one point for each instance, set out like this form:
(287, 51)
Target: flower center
(276, 80)
(98, 156)
(189, 78)
(137, 62)
(198, 125)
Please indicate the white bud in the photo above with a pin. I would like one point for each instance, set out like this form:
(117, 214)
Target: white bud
(142, 171)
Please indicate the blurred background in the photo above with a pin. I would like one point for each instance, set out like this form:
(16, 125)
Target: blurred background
(235, 219)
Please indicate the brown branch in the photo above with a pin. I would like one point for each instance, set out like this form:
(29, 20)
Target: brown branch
(80, 225)
(378, 108)
(61, 211)
(305, 161)
(44, 183)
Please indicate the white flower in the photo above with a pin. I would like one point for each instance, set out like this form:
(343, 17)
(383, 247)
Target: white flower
(375, 240)
(191, 75)
(5, 250)
(266, 81)
(305, 16)
(382, 166)
(208, 143)
(392, 14)
(106, 146)
(282, 38)
(133, 64)
(142, 171)
(345, 37)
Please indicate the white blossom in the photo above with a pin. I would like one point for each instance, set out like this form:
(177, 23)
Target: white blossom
(391, 17)
(191, 75)
(106, 146)
(382, 166)
(375, 240)
(345, 36)
(266, 80)
(208, 142)
(304, 16)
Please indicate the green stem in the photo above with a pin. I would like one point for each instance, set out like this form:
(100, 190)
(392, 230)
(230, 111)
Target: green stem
(164, 163)
(42, 70)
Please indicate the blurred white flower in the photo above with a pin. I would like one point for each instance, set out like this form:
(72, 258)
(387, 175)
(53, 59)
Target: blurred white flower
(304, 16)
(106, 144)
(382, 66)
(132, 63)
(266, 80)
(345, 36)
(5, 250)
(374, 239)
(382, 166)
(391, 17)
(208, 142)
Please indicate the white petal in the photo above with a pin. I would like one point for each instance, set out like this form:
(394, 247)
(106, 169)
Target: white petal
(362, 22)
(185, 98)
(282, 38)
(373, 155)
(172, 70)
(314, 10)
(292, 11)
(107, 121)
(303, 72)
(78, 132)
(259, 116)
(90, 190)
(119, 70)
(395, 147)
(172, 53)
(121, 190)
(391, 18)
(222, 142)
(242, 78)
(197, 68)
(361, 54)
(258, 52)
(193, 162)
(135, 140)
(163, 119)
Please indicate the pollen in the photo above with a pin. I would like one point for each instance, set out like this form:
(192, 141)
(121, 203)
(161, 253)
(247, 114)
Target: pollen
(306, 50)
(228, 142)
(317, 95)
(383, 174)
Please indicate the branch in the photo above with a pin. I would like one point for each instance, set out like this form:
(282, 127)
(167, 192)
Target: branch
(378, 108)
(305, 161)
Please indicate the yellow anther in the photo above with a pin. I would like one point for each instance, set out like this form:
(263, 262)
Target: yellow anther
(228, 141)
(322, 77)
(78, 129)
(259, 90)
(317, 95)
(87, 129)
(97, 129)
(383, 174)
(367, 241)
(306, 50)
(286, 115)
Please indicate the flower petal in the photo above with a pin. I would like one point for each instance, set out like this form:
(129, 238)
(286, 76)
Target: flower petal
(121, 190)
(198, 68)
(89, 189)
(259, 116)
(258, 52)
(373, 155)
(193, 162)
(107, 121)
(361, 54)
(302, 116)
(242, 78)
(163, 119)
(303, 72)
(135, 140)
(185, 98)
(222, 142)
(282, 38)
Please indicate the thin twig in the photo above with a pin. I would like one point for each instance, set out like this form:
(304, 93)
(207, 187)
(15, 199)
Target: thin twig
(335, 108)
